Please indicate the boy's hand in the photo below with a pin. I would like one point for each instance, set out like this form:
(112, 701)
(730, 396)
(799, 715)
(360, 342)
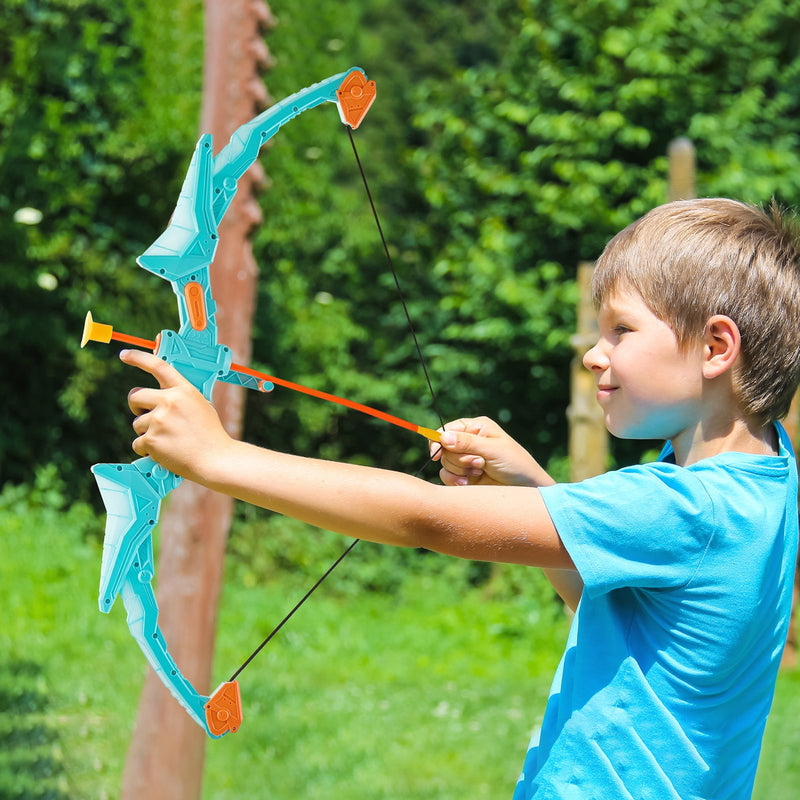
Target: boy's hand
(176, 425)
(479, 451)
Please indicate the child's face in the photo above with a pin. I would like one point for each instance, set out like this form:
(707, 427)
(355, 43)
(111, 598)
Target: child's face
(648, 387)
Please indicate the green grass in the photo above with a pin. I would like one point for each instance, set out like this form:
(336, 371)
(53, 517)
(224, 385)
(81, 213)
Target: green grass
(415, 696)
(779, 769)
(57, 652)
(430, 692)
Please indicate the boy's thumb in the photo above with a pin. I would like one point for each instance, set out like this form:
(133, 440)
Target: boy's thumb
(463, 442)
(449, 440)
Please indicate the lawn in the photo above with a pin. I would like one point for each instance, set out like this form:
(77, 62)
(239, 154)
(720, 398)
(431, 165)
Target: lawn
(429, 692)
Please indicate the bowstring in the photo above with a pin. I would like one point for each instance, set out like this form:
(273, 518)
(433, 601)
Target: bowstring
(271, 635)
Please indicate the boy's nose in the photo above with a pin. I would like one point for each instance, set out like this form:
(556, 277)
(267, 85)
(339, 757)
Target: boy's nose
(595, 358)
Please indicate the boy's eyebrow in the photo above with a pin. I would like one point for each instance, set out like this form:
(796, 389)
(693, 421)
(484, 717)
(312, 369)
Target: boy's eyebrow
(610, 308)
(620, 303)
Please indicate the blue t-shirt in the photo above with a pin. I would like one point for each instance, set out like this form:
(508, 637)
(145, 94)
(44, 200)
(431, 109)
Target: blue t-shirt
(670, 666)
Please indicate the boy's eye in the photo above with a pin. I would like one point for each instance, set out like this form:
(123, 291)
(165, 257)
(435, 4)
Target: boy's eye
(620, 329)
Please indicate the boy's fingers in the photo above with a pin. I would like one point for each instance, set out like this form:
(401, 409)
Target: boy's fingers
(166, 375)
(451, 479)
(140, 401)
(463, 453)
(139, 447)
(467, 444)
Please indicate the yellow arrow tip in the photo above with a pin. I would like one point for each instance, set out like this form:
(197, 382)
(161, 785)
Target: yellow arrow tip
(95, 331)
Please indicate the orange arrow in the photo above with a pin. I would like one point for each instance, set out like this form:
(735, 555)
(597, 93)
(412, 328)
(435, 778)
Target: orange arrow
(99, 332)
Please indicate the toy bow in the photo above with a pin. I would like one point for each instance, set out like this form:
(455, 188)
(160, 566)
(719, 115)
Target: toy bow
(132, 493)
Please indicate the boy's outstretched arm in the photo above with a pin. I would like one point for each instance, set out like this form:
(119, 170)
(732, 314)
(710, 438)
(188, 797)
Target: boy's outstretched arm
(479, 452)
(178, 428)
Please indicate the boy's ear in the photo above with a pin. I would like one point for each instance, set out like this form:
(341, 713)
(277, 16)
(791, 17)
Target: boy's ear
(723, 343)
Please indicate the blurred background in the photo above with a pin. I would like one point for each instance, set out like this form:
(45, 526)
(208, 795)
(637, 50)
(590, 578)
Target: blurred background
(510, 139)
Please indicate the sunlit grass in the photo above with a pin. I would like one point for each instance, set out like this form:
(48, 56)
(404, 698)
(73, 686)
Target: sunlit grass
(779, 769)
(429, 692)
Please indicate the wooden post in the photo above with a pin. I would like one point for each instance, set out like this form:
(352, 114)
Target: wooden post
(588, 437)
(681, 185)
(165, 759)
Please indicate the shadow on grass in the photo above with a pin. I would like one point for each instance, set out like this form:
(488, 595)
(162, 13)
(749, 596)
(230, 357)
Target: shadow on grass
(31, 767)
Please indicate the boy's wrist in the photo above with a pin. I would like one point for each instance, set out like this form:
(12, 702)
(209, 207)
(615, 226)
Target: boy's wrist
(217, 467)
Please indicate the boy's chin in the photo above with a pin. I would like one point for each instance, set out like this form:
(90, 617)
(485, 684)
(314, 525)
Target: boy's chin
(631, 432)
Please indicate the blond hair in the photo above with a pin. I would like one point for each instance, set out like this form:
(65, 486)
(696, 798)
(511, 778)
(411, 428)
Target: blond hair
(692, 259)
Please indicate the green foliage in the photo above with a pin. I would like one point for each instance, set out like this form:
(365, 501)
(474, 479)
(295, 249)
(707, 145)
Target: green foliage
(530, 162)
(78, 157)
(509, 141)
(32, 766)
(333, 318)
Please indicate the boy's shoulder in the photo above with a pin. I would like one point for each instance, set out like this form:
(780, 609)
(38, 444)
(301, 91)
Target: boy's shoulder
(655, 525)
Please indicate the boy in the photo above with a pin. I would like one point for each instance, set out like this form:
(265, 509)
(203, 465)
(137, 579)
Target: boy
(680, 570)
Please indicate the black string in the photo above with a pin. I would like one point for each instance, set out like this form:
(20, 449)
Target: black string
(396, 279)
(302, 600)
(342, 557)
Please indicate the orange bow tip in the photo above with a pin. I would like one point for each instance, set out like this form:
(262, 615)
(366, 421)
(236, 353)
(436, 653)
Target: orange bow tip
(224, 709)
(355, 96)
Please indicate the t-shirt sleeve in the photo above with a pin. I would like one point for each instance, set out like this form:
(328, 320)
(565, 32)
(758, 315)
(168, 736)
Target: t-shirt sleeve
(646, 526)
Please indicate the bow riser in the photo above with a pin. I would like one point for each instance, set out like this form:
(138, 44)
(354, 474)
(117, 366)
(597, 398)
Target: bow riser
(201, 365)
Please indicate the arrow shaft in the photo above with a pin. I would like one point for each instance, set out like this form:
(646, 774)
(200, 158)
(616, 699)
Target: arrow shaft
(342, 401)
(134, 340)
(428, 433)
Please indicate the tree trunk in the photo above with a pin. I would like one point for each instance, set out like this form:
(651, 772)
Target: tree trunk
(165, 759)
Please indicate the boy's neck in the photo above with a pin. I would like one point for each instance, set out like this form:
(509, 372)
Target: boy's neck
(712, 437)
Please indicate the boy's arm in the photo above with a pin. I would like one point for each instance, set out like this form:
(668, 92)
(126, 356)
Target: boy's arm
(178, 428)
(479, 451)
(568, 584)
